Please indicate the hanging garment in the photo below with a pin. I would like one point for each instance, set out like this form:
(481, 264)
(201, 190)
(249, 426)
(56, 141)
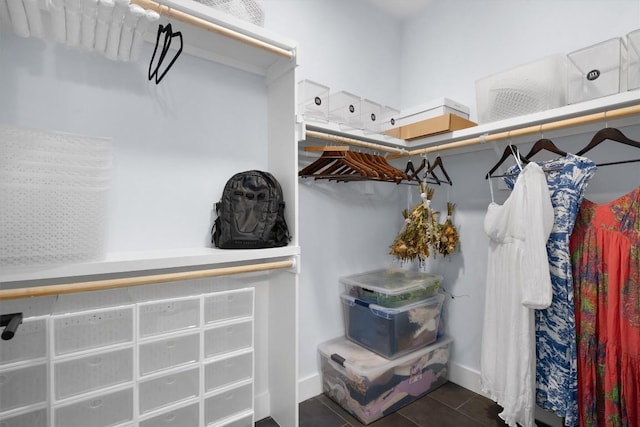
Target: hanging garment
(517, 282)
(605, 250)
(556, 366)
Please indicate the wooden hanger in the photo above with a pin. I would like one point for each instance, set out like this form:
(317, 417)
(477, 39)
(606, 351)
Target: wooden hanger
(544, 144)
(438, 163)
(412, 172)
(608, 133)
(509, 150)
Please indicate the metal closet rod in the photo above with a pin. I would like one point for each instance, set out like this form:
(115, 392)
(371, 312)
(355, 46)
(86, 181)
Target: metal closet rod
(95, 285)
(210, 26)
(541, 128)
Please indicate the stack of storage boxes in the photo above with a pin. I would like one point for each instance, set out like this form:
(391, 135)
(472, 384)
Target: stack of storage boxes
(391, 354)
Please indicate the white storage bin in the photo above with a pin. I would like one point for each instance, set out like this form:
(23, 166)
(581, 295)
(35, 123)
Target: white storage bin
(93, 372)
(34, 418)
(434, 108)
(92, 329)
(180, 417)
(227, 338)
(633, 69)
(371, 116)
(390, 118)
(596, 71)
(242, 421)
(23, 386)
(537, 86)
(167, 389)
(28, 343)
(227, 371)
(169, 352)
(313, 100)
(228, 305)
(103, 410)
(344, 109)
(228, 403)
(169, 315)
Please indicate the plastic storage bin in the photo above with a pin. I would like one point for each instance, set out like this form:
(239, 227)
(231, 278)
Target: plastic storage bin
(633, 68)
(313, 100)
(433, 108)
(34, 418)
(392, 287)
(344, 109)
(29, 342)
(227, 338)
(228, 403)
(596, 71)
(169, 352)
(392, 332)
(22, 387)
(227, 371)
(104, 410)
(169, 315)
(181, 417)
(370, 387)
(536, 86)
(228, 305)
(170, 388)
(371, 116)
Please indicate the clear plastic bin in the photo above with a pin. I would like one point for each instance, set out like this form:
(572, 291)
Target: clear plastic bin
(228, 337)
(313, 100)
(170, 388)
(104, 410)
(169, 315)
(227, 371)
(181, 417)
(596, 71)
(633, 69)
(392, 332)
(22, 387)
(228, 403)
(344, 109)
(33, 418)
(228, 305)
(392, 287)
(371, 116)
(169, 353)
(369, 386)
(29, 342)
(536, 86)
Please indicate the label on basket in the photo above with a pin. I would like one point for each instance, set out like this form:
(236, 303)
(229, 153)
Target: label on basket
(593, 74)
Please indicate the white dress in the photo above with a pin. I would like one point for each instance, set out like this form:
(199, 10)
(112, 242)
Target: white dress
(518, 281)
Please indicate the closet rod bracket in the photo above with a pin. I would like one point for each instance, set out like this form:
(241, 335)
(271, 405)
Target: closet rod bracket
(10, 323)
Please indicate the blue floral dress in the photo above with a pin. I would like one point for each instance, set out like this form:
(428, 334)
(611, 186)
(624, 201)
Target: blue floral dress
(556, 357)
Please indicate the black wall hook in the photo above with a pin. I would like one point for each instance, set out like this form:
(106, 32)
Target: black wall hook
(168, 33)
(10, 323)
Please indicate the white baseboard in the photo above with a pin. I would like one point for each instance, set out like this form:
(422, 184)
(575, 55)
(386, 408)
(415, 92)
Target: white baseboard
(262, 406)
(461, 375)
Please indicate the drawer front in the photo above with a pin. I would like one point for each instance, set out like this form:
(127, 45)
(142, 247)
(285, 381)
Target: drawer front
(168, 389)
(23, 386)
(92, 330)
(229, 337)
(228, 305)
(170, 315)
(28, 343)
(182, 417)
(242, 422)
(99, 411)
(228, 371)
(35, 418)
(169, 352)
(227, 404)
(93, 372)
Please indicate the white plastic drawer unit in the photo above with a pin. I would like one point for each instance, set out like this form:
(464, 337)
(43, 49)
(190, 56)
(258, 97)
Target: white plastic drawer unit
(185, 416)
(103, 410)
(93, 372)
(29, 342)
(92, 329)
(168, 353)
(245, 421)
(167, 389)
(23, 386)
(33, 418)
(227, 371)
(228, 305)
(227, 403)
(228, 337)
(170, 315)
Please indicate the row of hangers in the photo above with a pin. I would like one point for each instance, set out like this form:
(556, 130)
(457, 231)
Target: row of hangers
(605, 134)
(340, 164)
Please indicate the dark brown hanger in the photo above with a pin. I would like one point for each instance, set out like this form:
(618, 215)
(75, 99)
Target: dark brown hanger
(544, 144)
(509, 150)
(608, 133)
(438, 164)
(412, 172)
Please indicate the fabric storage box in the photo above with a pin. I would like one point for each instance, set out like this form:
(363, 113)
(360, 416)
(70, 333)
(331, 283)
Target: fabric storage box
(369, 386)
(633, 67)
(392, 332)
(536, 86)
(596, 71)
(392, 287)
(313, 100)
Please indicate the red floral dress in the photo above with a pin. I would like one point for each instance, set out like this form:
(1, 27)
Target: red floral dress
(605, 255)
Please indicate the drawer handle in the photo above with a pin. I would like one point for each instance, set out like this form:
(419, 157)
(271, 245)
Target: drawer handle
(228, 396)
(170, 381)
(96, 361)
(170, 417)
(171, 344)
(95, 404)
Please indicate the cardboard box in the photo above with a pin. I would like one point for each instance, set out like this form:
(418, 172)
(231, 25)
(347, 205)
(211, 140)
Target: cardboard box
(432, 126)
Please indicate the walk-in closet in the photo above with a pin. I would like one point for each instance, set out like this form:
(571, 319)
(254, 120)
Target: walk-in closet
(119, 310)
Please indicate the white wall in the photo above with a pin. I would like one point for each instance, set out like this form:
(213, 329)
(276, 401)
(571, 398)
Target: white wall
(443, 50)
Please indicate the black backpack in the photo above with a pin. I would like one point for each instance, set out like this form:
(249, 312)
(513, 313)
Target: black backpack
(250, 213)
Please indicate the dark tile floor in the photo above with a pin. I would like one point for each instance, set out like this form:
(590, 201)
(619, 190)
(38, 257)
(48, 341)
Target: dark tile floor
(447, 406)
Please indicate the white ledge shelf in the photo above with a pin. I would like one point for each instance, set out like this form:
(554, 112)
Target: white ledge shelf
(137, 262)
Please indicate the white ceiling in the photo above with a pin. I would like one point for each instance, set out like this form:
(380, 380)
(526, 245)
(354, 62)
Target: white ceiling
(400, 9)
